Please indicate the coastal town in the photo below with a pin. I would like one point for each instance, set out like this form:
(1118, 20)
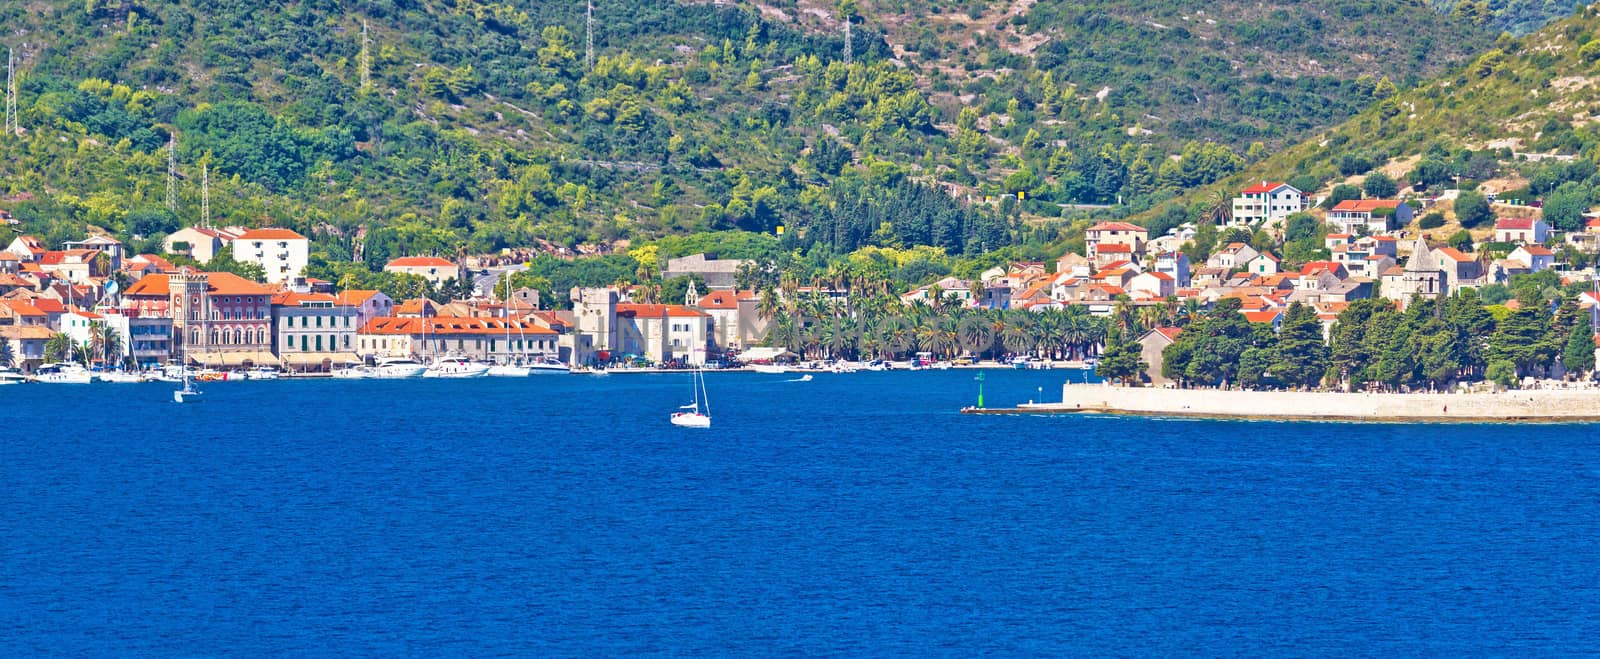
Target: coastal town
(87, 302)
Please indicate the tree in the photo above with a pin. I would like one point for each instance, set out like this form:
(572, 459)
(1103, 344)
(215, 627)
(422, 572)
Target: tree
(8, 357)
(1461, 240)
(1379, 186)
(1564, 207)
(1123, 359)
(1302, 357)
(1523, 337)
(1473, 210)
(1341, 192)
(1579, 354)
(58, 348)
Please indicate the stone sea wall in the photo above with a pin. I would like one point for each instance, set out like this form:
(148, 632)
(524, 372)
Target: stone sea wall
(1530, 405)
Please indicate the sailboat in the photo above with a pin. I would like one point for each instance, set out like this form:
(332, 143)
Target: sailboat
(693, 417)
(188, 391)
(510, 369)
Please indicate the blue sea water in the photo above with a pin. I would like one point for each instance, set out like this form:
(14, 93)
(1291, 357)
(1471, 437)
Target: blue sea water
(850, 515)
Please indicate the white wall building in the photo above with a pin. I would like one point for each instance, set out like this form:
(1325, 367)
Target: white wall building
(280, 252)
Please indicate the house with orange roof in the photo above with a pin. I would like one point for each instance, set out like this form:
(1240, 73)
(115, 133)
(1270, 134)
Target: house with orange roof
(1152, 347)
(27, 249)
(200, 243)
(140, 265)
(1173, 264)
(1521, 230)
(432, 268)
(1232, 256)
(76, 265)
(9, 263)
(1130, 237)
(22, 312)
(420, 307)
(368, 304)
(27, 345)
(1370, 216)
(312, 331)
(281, 253)
(225, 319)
(1460, 270)
(1263, 264)
(100, 243)
(736, 320)
(1267, 202)
(663, 332)
(1159, 285)
(10, 282)
(1273, 317)
(1536, 257)
(499, 340)
(1109, 253)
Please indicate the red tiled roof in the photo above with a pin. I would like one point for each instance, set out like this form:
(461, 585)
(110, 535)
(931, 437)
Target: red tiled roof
(270, 234)
(719, 300)
(1114, 248)
(1161, 276)
(1170, 332)
(218, 283)
(1265, 186)
(1116, 226)
(420, 262)
(49, 305)
(1537, 250)
(1454, 254)
(23, 308)
(1515, 223)
(1266, 316)
(353, 298)
(657, 311)
(451, 325)
(1315, 267)
(1366, 205)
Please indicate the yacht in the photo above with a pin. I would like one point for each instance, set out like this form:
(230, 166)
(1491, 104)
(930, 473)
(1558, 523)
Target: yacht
(62, 374)
(397, 368)
(773, 369)
(455, 367)
(11, 376)
(509, 371)
(548, 366)
(121, 377)
(262, 373)
(353, 372)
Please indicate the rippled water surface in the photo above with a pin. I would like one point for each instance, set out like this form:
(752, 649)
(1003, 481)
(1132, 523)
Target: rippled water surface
(853, 514)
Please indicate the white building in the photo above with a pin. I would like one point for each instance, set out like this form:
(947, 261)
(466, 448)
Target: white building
(663, 332)
(431, 268)
(312, 330)
(280, 252)
(1270, 202)
(200, 243)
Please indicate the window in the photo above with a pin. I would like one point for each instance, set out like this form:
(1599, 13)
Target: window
(347, 341)
(303, 343)
(319, 343)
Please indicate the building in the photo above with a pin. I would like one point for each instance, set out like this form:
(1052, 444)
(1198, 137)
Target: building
(1422, 276)
(220, 319)
(736, 320)
(1461, 270)
(1175, 265)
(432, 268)
(1158, 285)
(1131, 236)
(1263, 264)
(146, 340)
(1269, 203)
(497, 340)
(200, 243)
(313, 331)
(1536, 257)
(27, 345)
(1369, 216)
(1521, 230)
(1586, 241)
(281, 253)
(949, 289)
(719, 274)
(369, 304)
(1233, 256)
(110, 246)
(1154, 344)
(663, 333)
(594, 315)
(27, 249)
(75, 265)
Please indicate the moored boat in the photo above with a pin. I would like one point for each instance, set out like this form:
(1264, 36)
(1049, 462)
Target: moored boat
(62, 374)
(455, 367)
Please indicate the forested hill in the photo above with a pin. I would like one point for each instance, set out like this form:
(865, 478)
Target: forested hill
(1515, 16)
(484, 125)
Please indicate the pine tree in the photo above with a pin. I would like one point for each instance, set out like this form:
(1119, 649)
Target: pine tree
(1579, 355)
(1302, 356)
(1123, 359)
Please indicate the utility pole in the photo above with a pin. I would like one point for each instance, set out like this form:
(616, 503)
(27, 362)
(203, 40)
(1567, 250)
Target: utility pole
(365, 60)
(205, 195)
(13, 122)
(848, 48)
(172, 172)
(588, 36)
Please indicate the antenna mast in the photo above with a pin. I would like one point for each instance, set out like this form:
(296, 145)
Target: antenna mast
(205, 195)
(172, 172)
(588, 30)
(365, 59)
(12, 121)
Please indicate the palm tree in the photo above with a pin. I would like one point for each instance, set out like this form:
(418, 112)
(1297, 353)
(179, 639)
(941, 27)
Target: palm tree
(1019, 336)
(975, 335)
(111, 348)
(769, 305)
(938, 336)
(58, 348)
(899, 335)
(97, 339)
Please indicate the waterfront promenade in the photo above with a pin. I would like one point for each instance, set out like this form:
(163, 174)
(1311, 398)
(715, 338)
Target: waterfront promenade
(1531, 405)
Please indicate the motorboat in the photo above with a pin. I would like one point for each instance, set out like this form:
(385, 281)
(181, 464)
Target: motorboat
(509, 371)
(548, 366)
(122, 377)
(57, 373)
(12, 376)
(771, 369)
(353, 372)
(455, 367)
(396, 368)
(262, 373)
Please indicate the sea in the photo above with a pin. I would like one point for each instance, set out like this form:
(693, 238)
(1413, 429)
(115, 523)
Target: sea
(849, 515)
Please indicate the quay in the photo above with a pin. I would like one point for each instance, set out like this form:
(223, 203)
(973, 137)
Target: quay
(1515, 406)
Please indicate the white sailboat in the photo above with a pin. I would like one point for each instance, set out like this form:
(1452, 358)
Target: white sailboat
(188, 392)
(691, 415)
(512, 368)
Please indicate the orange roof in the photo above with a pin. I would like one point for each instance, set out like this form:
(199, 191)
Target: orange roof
(1262, 316)
(1366, 205)
(1315, 267)
(292, 299)
(23, 308)
(449, 325)
(56, 257)
(218, 283)
(657, 310)
(352, 298)
(1515, 223)
(1453, 254)
(49, 305)
(1113, 247)
(1116, 226)
(1170, 332)
(420, 262)
(270, 234)
(1265, 186)
(721, 300)
(414, 306)
(1161, 276)
(1536, 250)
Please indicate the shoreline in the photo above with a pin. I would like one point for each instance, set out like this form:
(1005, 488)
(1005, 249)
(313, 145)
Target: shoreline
(1516, 406)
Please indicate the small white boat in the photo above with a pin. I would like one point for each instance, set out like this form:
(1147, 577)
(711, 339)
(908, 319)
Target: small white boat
(188, 394)
(122, 377)
(12, 376)
(353, 372)
(508, 371)
(804, 378)
(690, 415)
(262, 373)
(548, 366)
(396, 368)
(770, 369)
(456, 367)
(62, 374)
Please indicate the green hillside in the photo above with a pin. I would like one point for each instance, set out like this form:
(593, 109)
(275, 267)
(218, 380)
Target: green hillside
(483, 127)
